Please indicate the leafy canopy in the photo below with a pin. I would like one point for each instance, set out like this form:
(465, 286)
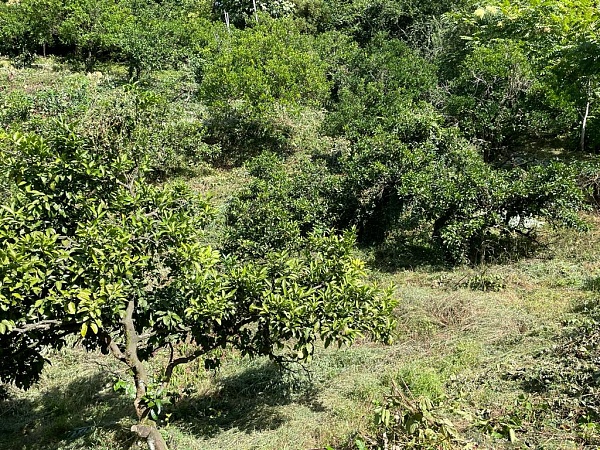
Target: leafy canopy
(88, 247)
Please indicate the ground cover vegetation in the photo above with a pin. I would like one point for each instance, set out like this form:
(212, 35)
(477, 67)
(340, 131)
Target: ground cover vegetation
(215, 193)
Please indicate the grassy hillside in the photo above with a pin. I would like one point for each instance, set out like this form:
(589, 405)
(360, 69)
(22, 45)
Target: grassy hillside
(448, 142)
(477, 348)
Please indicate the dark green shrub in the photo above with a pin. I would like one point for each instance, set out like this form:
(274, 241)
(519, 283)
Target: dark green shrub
(400, 19)
(28, 27)
(242, 134)
(589, 180)
(383, 88)
(438, 196)
(270, 63)
(144, 124)
(444, 189)
(281, 205)
(146, 39)
(488, 95)
(91, 28)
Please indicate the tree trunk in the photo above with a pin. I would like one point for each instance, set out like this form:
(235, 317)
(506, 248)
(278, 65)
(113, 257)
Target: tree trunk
(583, 126)
(152, 436)
(585, 117)
(144, 430)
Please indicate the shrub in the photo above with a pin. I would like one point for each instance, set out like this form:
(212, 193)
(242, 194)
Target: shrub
(144, 124)
(438, 194)
(16, 107)
(254, 78)
(263, 65)
(488, 95)
(27, 27)
(91, 27)
(280, 206)
(470, 210)
(383, 88)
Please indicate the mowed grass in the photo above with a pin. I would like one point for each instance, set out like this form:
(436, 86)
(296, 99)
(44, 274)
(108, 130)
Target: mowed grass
(455, 345)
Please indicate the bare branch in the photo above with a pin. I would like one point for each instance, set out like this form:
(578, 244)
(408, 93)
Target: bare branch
(42, 325)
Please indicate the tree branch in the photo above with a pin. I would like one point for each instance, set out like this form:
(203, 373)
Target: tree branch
(45, 325)
(114, 348)
(183, 360)
(42, 325)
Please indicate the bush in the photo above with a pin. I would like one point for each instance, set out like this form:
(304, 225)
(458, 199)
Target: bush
(28, 27)
(242, 133)
(242, 13)
(254, 78)
(470, 210)
(16, 107)
(438, 194)
(383, 88)
(399, 19)
(144, 124)
(264, 65)
(488, 95)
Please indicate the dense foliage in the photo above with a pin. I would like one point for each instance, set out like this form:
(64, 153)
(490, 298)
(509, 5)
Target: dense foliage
(441, 132)
(89, 247)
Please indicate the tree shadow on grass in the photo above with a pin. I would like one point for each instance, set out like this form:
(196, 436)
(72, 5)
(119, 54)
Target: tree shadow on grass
(248, 401)
(86, 412)
(76, 415)
(395, 254)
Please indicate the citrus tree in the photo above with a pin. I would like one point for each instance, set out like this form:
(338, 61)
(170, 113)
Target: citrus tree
(89, 249)
(544, 52)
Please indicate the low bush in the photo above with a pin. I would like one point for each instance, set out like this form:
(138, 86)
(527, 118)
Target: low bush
(254, 77)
